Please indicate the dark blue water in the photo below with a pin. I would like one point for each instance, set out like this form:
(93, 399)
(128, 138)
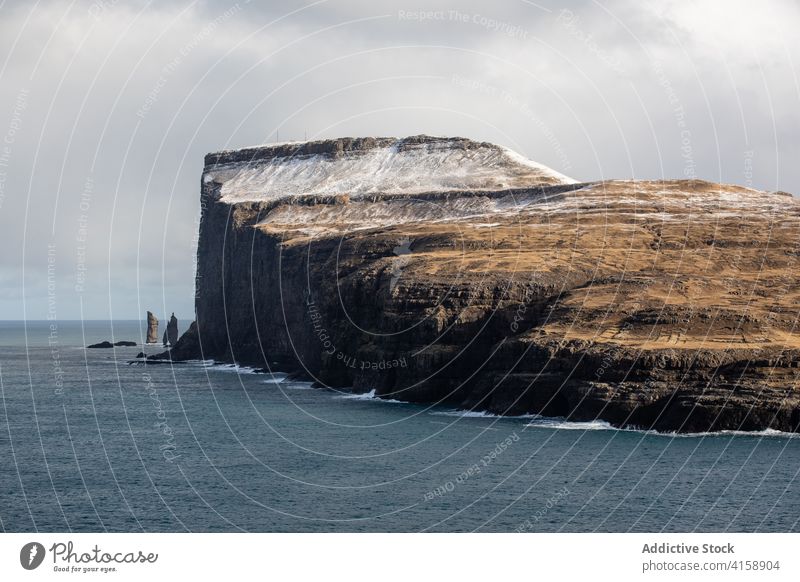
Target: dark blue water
(90, 443)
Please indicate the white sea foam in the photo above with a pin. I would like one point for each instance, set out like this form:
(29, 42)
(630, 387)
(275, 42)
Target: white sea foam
(291, 385)
(236, 368)
(536, 421)
(275, 378)
(478, 414)
(371, 396)
(363, 396)
(561, 424)
(463, 413)
(768, 432)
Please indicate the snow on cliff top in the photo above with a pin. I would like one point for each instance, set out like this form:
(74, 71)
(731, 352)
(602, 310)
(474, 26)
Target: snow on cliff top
(362, 166)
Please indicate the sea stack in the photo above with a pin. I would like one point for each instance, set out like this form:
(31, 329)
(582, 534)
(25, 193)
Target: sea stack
(665, 304)
(171, 334)
(152, 328)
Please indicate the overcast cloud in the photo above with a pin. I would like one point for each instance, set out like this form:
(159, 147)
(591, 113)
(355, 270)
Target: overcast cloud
(109, 107)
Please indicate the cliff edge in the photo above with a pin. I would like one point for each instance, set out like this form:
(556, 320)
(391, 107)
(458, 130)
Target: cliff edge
(443, 270)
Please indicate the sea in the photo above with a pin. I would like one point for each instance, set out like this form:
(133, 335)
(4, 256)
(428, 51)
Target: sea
(90, 442)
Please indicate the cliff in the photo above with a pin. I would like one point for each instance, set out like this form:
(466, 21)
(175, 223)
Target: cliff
(451, 271)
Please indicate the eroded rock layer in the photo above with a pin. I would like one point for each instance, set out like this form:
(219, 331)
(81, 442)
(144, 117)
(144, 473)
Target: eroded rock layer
(667, 304)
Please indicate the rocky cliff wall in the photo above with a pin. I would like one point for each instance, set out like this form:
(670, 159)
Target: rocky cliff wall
(667, 305)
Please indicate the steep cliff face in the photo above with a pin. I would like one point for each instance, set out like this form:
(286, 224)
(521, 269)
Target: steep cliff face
(446, 270)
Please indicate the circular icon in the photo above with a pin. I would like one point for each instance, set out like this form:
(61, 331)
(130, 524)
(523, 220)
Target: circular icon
(31, 555)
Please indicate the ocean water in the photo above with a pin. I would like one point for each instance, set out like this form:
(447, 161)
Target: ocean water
(91, 443)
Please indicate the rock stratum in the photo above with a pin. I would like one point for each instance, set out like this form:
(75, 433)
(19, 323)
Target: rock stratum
(443, 270)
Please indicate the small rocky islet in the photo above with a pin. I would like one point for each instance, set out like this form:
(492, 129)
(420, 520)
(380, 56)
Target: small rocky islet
(108, 344)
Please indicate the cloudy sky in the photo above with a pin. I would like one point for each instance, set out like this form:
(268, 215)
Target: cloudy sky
(109, 106)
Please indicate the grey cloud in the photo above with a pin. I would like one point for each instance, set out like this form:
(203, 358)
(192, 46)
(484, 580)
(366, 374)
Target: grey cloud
(591, 90)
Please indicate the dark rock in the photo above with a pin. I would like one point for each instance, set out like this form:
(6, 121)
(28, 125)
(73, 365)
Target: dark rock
(154, 361)
(107, 344)
(172, 330)
(102, 345)
(186, 348)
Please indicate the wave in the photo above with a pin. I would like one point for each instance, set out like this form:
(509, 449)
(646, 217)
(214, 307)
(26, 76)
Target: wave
(767, 432)
(536, 421)
(371, 395)
(560, 423)
(294, 385)
(275, 378)
(221, 367)
(480, 414)
(271, 378)
(364, 396)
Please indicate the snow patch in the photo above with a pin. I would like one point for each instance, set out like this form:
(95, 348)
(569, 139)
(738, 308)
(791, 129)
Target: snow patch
(401, 168)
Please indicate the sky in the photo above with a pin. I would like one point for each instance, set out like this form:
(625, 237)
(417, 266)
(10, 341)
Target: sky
(108, 107)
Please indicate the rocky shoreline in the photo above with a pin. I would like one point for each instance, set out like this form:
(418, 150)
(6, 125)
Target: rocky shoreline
(668, 305)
